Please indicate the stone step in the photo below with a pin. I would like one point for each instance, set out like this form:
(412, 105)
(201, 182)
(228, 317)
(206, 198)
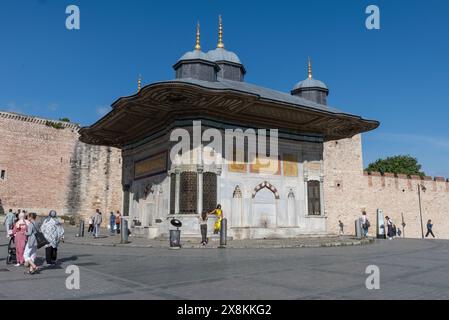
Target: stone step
(192, 238)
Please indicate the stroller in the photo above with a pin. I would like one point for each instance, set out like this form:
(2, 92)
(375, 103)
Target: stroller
(11, 258)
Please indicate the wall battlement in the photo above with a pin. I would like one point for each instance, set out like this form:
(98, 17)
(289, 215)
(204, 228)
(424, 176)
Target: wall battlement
(37, 120)
(406, 182)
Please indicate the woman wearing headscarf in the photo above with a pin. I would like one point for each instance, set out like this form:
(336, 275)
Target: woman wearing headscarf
(31, 248)
(54, 233)
(20, 238)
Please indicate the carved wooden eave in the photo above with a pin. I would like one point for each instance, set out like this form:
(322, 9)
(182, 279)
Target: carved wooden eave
(157, 105)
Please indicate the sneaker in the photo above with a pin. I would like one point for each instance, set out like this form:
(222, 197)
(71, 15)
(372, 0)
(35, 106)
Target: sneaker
(17, 265)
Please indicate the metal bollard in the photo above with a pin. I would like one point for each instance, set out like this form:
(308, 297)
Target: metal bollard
(124, 231)
(358, 229)
(81, 231)
(223, 232)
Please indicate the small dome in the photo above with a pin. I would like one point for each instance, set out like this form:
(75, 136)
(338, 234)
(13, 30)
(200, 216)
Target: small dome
(193, 55)
(221, 54)
(310, 83)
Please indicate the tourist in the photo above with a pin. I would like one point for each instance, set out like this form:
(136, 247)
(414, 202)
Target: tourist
(203, 227)
(9, 223)
(112, 223)
(341, 226)
(54, 233)
(219, 213)
(390, 228)
(365, 224)
(429, 228)
(91, 225)
(117, 221)
(97, 222)
(31, 248)
(20, 238)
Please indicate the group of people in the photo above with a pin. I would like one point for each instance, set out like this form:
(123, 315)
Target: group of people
(22, 229)
(96, 220)
(203, 223)
(392, 230)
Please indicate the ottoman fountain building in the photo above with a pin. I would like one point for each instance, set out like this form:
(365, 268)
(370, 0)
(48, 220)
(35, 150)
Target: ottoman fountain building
(281, 196)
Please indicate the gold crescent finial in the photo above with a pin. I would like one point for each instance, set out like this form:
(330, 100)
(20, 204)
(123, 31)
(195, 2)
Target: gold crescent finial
(220, 33)
(198, 37)
(139, 83)
(310, 69)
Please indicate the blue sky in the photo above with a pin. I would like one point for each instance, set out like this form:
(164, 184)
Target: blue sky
(398, 75)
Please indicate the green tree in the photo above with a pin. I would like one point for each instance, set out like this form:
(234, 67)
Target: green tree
(64, 119)
(397, 164)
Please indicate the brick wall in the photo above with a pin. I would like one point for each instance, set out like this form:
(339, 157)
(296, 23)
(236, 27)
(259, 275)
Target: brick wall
(348, 190)
(48, 168)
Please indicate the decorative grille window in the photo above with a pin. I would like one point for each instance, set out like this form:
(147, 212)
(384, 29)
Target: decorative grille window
(188, 193)
(313, 195)
(172, 193)
(209, 191)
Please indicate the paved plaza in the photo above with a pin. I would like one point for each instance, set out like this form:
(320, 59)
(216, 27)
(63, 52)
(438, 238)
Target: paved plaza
(409, 269)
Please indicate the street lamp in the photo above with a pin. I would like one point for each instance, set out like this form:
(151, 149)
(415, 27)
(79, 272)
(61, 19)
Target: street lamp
(423, 188)
(403, 225)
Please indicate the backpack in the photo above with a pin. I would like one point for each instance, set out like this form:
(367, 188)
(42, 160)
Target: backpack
(367, 224)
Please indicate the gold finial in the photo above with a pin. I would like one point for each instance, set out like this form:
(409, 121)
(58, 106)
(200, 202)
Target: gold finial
(139, 83)
(310, 69)
(198, 35)
(220, 33)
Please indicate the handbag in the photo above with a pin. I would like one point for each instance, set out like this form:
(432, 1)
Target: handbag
(40, 239)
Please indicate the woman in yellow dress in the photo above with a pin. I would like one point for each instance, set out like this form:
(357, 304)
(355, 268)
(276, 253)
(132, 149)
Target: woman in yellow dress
(219, 213)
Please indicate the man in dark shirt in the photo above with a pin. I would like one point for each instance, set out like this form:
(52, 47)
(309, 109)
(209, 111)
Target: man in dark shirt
(429, 229)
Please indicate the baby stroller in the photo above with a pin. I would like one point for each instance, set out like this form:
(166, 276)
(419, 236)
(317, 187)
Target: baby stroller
(11, 258)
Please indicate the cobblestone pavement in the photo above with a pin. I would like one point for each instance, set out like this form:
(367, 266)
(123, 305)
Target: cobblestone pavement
(409, 269)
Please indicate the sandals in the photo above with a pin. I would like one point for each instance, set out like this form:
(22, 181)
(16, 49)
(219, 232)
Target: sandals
(32, 271)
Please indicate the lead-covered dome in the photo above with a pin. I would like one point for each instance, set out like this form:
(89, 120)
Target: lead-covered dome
(221, 54)
(196, 64)
(310, 83)
(231, 68)
(311, 89)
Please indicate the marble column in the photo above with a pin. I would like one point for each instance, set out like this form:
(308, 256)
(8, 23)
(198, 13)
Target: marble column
(219, 185)
(322, 195)
(177, 185)
(199, 197)
(306, 195)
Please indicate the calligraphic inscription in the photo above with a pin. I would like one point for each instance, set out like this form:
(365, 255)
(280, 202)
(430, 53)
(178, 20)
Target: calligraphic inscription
(150, 166)
(265, 165)
(290, 165)
(313, 166)
(237, 163)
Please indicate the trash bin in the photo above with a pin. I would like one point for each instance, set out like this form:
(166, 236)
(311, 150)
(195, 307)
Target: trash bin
(175, 235)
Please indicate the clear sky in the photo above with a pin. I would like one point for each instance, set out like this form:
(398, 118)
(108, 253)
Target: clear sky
(398, 75)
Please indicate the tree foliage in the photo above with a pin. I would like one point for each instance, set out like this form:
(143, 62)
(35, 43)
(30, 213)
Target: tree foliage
(402, 164)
